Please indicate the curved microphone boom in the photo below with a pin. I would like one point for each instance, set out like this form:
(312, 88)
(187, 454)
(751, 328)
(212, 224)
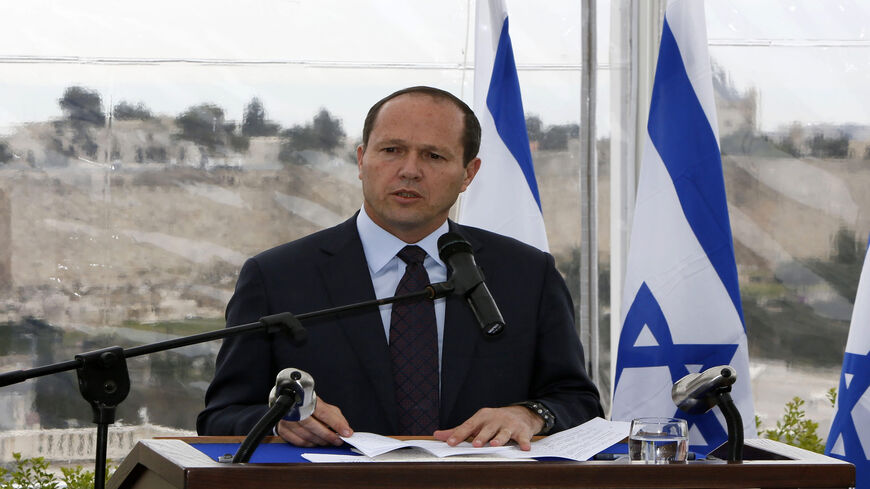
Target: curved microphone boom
(292, 398)
(701, 392)
(467, 280)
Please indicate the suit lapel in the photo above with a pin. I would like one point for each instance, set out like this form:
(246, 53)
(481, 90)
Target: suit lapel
(461, 335)
(348, 281)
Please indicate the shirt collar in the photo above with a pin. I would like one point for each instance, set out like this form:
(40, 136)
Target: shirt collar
(380, 246)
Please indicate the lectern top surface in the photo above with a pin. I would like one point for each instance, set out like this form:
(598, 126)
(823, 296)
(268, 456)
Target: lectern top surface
(270, 453)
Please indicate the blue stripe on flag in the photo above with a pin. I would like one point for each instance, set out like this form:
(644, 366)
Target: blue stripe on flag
(684, 139)
(506, 106)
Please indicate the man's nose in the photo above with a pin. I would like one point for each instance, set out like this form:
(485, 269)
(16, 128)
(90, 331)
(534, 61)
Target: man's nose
(412, 166)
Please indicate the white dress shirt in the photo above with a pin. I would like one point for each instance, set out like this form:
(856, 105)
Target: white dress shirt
(380, 248)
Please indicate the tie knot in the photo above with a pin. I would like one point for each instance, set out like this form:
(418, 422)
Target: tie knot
(412, 254)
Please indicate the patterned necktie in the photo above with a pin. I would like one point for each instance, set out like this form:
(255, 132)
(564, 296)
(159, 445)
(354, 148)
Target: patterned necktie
(414, 350)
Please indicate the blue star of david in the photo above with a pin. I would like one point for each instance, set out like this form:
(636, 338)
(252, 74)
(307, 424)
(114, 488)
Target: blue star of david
(843, 425)
(645, 311)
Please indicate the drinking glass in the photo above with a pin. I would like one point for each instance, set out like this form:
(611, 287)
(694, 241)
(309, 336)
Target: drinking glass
(658, 440)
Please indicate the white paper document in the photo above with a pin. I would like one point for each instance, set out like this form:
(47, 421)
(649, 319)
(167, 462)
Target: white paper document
(786, 450)
(372, 445)
(408, 455)
(578, 443)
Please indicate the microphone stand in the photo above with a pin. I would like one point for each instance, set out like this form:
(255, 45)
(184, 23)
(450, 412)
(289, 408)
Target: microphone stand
(289, 397)
(104, 381)
(699, 393)
(734, 422)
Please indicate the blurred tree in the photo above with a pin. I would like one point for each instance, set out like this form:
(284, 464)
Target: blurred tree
(556, 137)
(87, 144)
(791, 143)
(553, 138)
(788, 146)
(822, 147)
(5, 155)
(324, 133)
(82, 105)
(83, 109)
(328, 130)
(534, 127)
(124, 111)
(239, 142)
(45, 341)
(203, 124)
(847, 249)
(254, 121)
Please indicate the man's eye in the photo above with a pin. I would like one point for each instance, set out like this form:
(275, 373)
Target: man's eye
(389, 150)
(434, 156)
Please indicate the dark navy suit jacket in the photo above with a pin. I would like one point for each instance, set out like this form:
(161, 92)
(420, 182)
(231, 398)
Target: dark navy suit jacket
(537, 357)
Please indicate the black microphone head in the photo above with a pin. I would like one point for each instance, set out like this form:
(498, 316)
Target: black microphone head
(493, 329)
(457, 254)
(467, 280)
(450, 243)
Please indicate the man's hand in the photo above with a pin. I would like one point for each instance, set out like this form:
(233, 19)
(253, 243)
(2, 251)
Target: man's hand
(323, 427)
(496, 426)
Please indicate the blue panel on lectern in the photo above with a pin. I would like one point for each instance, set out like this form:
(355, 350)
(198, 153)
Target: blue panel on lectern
(270, 453)
(282, 453)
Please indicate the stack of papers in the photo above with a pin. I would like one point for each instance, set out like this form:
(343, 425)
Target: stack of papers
(578, 443)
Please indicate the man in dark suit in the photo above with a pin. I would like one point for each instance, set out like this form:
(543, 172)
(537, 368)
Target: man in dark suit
(418, 153)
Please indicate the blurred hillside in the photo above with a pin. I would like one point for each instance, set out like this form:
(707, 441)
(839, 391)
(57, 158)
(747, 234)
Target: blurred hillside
(131, 216)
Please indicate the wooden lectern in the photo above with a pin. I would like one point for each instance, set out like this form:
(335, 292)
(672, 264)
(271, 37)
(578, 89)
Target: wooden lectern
(174, 463)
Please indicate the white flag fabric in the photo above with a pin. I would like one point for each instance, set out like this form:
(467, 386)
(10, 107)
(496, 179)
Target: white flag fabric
(503, 197)
(681, 302)
(849, 438)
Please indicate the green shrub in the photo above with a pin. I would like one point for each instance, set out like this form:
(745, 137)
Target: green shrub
(32, 473)
(794, 429)
(77, 478)
(28, 472)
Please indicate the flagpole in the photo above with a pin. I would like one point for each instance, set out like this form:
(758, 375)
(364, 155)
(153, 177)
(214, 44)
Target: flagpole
(588, 181)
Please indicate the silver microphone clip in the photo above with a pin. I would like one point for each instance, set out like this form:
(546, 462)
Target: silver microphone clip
(696, 393)
(302, 384)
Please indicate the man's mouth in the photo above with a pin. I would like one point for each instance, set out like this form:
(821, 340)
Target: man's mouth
(407, 194)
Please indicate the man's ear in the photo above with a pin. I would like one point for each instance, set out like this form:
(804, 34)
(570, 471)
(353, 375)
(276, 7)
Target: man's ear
(470, 171)
(360, 151)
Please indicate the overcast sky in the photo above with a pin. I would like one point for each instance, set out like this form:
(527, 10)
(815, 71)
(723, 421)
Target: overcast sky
(808, 58)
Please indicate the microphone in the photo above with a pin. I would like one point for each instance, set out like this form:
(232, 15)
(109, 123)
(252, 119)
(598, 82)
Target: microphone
(467, 280)
(301, 384)
(698, 393)
(292, 398)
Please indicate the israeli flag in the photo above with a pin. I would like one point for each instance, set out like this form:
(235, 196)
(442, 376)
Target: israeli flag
(681, 302)
(849, 438)
(503, 197)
